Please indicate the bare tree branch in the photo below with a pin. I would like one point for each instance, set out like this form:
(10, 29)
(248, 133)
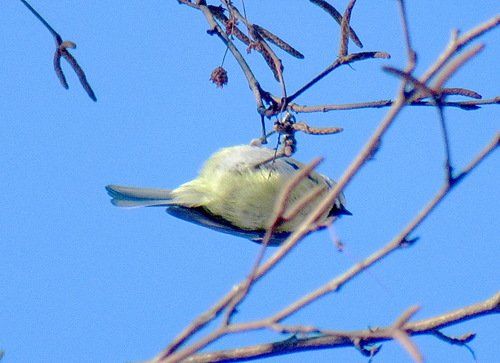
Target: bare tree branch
(465, 105)
(363, 338)
(413, 91)
(62, 51)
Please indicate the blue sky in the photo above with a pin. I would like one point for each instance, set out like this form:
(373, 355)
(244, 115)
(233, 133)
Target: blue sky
(82, 281)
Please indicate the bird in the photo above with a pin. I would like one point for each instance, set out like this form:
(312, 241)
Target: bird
(235, 192)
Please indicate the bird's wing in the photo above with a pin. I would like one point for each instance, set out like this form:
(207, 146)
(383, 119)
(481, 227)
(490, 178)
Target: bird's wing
(138, 197)
(203, 218)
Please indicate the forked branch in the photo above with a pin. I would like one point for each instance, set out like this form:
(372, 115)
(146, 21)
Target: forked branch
(62, 51)
(403, 329)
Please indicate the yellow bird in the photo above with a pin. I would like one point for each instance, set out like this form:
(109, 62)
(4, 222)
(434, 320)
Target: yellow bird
(235, 192)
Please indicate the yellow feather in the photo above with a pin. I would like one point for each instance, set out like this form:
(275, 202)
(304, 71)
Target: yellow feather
(236, 191)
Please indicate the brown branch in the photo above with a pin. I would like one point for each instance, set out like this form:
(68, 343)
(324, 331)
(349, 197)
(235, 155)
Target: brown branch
(311, 130)
(262, 47)
(411, 55)
(408, 345)
(465, 105)
(196, 325)
(421, 90)
(363, 338)
(302, 203)
(399, 240)
(169, 356)
(232, 298)
(344, 29)
(266, 34)
(62, 51)
(215, 28)
(400, 335)
(291, 242)
(58, 69)
(338, 18)
(280, 216)
(279, 104)
(272, 60)
(448, 167)
(231, 27)
(454, 65)
(284, 198)
(172, 354)
(461, 340)
(457, 43)
(78, 70)
(460, 92)
(348, 59)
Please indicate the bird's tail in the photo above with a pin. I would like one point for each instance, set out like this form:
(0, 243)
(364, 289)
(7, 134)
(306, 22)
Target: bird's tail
(139, 197)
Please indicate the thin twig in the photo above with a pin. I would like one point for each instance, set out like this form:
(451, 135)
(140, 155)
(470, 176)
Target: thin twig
(62, 51)
(393, 245)
(348, 59)
(344, 29)
(300, 205)
(215, 28)
(52, 31)
(338, 18)
(411, 55)
(406, 342)
(262, 47)
(465, 105)
(456, 44)
(400, 335)
(462, 340)
(280, 216)
(451, 69)
(197, 325)
(448, 166)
